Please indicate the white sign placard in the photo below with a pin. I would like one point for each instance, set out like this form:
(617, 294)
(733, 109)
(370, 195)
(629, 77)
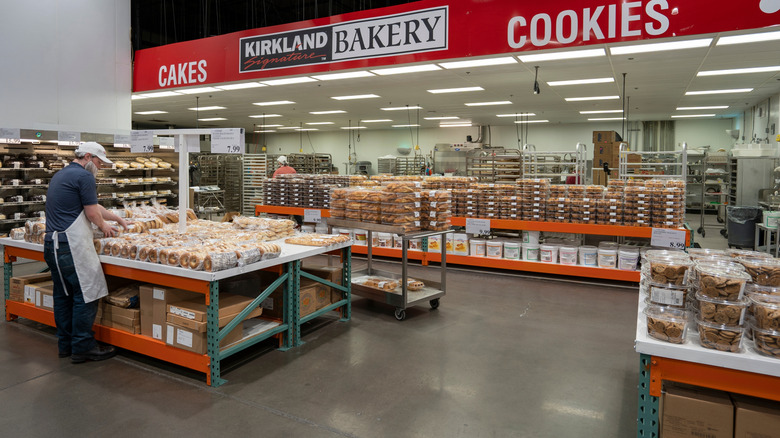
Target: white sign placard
(141, 142)
(191, 143)
(68, 138)
(121, 140)
(668, 238)
(312, 215)
(167, 142)
(11, 135)
(478, 226)
(228, 141)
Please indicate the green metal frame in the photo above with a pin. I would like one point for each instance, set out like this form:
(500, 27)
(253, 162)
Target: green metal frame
(647, 413)
(346, 295)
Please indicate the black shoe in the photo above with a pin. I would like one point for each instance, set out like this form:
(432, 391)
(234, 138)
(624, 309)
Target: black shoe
(63, 354)
(95, 354)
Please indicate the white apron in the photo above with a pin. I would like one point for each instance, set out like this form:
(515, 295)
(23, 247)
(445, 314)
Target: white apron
(85, 259)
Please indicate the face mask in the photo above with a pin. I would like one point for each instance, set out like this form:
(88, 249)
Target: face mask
(92, 168)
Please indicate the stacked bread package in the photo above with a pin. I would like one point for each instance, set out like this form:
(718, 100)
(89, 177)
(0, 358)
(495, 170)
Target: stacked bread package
(436, 210)
(534, 193)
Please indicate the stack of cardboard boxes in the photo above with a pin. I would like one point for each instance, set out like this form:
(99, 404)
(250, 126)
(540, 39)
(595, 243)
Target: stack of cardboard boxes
(24, 288)
(313, 296)
(606, 150)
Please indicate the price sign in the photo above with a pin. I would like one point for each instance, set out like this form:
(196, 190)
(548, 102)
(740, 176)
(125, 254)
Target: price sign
(10, 136)
(141, 142)
(68, 138)
(667, 238)
(228, 141)
(121, 141)
(312, 215)
(191, 143)
(166, 142)
(478, 226)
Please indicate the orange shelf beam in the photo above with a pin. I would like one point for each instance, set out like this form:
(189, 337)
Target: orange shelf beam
(295, 211)
(138, 343)
(724, 379)
(546, 268)
(185, 283)
(11, 253)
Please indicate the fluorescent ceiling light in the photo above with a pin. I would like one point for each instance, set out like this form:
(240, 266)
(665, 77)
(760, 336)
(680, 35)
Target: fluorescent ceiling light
(138, 97)
(376, 121)
(148, 113)
(573, 54)
(355, 96)
(739, 71)
(403, 70)
(273, 102)
(307, 129)
(353, 127)
(692, 115)
(516, 115)
(580, 99)
(498, 102)
(270, 126)
(455, 90)
(243, 86)
(693, 108)
(401, 108)
(581, 82)
(602, 112)
(199, 90)
(290, 127)
(320, 123)
(531, 121)
(478, 63)
(660, 47)
(207, 108)
(265, 116)
(288, 81)
(266, 130)
(750, 38)
(404, 126)
(454, 125)
(347, 75)
(604, 119)
(734, 90)
(212, 119)
(327, 112)
(161, 94)
(442, 118)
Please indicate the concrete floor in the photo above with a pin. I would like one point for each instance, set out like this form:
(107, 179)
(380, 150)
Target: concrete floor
(503, 356)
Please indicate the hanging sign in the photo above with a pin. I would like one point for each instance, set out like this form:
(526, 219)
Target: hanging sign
(227, 141)
(312, 215)
(10, 136)
(668, 238)
(166, 142)
(68, 138)
(478, 226)
(142, 142)
(121, 140)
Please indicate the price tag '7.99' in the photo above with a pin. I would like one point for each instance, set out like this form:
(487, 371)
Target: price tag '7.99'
(227, 141)
(141, 142)
(667, 238)
(478, 226)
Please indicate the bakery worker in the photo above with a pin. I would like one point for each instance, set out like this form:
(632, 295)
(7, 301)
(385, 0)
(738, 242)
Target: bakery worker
(71, 210)
(284, 168)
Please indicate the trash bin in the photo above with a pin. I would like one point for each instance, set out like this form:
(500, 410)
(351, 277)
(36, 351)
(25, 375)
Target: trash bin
(741, 225)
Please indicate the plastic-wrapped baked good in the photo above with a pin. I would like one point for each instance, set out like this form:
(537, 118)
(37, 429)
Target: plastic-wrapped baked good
(763, 271)
(721, 283)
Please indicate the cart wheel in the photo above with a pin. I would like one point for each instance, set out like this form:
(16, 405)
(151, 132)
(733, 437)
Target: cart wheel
(702, 233)
(400, 314)
(700, 230)
(724, 233)
(435, 304)
(720, 220)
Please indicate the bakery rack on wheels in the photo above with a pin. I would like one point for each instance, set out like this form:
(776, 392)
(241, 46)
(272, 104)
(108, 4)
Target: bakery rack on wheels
(745, 373)
(287, 330)
(556, 165)
(432, 291)
(657, 164)
(718, 197)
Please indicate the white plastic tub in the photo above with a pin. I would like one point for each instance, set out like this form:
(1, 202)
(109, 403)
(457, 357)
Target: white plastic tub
(477, 247)
(548, 253)
(384, 240)
(589, 255)
(628, 259)
(494, 249)
(607, 258)
(568, 255)
(512, 250)
(531, 252)
(361, 237)
(531, 237)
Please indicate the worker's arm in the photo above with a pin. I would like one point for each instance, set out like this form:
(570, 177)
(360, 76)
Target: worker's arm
(108, 216)
(94, 215)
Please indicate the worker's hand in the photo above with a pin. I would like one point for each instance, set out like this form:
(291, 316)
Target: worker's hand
(108, 230)
(125, 224)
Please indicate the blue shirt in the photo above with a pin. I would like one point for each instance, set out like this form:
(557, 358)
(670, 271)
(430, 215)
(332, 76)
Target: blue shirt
(70, 190)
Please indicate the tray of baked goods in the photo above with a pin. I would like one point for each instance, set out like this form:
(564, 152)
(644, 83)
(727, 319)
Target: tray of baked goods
(388, 287)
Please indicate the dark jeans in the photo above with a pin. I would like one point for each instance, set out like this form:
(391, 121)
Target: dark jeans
(74, 317)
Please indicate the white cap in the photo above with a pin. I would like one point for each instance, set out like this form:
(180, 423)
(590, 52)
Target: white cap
(282, 159)
(95, 149)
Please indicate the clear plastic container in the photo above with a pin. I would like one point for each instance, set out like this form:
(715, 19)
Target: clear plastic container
(763, 271)
(673, 296)
(696, 253)
(766, 342)
(722, 311)
(666, 324)
(668, 269)
(766, 310)
(720, 337)
(766, 290)
(721, 283)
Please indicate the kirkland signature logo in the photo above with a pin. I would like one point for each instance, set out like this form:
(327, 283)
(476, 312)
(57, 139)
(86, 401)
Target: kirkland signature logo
(412, 32)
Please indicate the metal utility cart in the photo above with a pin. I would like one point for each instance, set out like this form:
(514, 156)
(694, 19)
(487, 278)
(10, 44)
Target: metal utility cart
(673, 164)
(432, 291)
(714, 192)
(556, 165)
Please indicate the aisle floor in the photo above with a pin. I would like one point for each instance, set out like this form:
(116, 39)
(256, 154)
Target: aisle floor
(503, 356)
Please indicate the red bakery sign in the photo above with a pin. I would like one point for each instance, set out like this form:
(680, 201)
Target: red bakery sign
(434, 30)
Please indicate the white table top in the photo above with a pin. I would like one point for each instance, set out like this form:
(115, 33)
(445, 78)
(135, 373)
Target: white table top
(289, 253)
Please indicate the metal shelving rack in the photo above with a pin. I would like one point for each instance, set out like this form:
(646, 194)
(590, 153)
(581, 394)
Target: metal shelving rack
(674, 164)
(409, 165)
(709, 164)
(503, 166)
(255, 170)
(233, 183)
(556, 165)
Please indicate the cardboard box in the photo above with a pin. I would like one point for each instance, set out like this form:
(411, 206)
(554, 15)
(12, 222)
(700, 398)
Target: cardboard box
(196, 310)
(18, 283)
(134, 329)
(44, 297)
(31, 291)
(195, 341)
(109, 311)
(756, 418)
(308, 299)
(200, 326)
(154, 307)
(330, 273)
(606, 137)
(697, 412)
(600, 177)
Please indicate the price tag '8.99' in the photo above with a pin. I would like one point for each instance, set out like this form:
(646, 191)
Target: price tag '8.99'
(668, 238)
